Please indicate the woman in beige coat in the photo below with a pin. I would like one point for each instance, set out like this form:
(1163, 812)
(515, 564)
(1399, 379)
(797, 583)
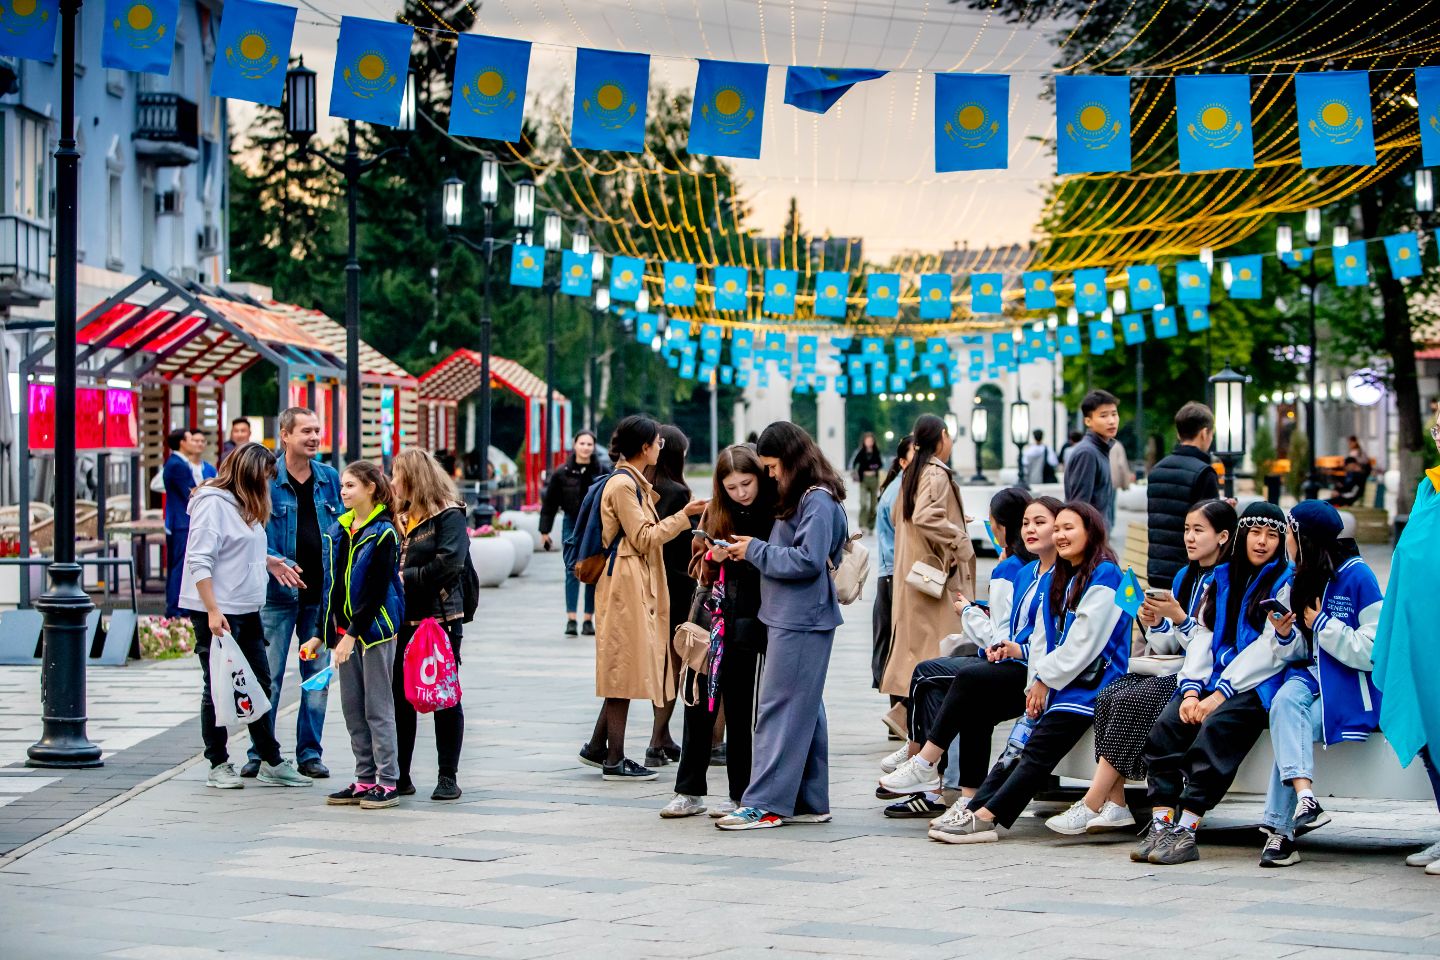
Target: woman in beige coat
(632, 600)
(930, 527)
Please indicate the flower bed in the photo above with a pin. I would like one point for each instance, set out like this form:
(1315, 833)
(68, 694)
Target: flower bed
(166, 638)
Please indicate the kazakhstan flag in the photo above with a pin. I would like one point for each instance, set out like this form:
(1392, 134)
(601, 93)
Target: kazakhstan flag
(882, 292)
(1427, 91)
(610, 94)
(1090, 296)
(731, 285)
(1192, 282)
(985, 293)
(646, 326)
(252, 50)
(1102, 337)
(741, 344)
(1197, 318)
(1145, 289)
(776, 346)
(1213, 117)
(972, 127)
(527, 266)
(1092, 115)
(935, 291)
(1039, 292)
(1164, 320)
(680, 284)
(728, 114)
(27, 29)
(1068, 338)
(872, 349)
(817, 89)
(1403, 251)
(488, 98)
(806, 351)
(780, 292)
(371, 60)
(626, 276)
(1133, 326)
(1335, 124)
(1351, 269)
(139, 35)
(574, 274)
(1294, 258)
(1245, 277)
(831, 288)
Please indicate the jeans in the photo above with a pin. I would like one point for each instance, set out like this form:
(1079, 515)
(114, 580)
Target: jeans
(250, 639)
(174, 569)
(869, 498)
(572, 582)
(282, 622)
(1296, 722)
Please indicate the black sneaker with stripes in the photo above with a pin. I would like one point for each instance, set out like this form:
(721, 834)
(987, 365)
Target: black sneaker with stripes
(913, 807)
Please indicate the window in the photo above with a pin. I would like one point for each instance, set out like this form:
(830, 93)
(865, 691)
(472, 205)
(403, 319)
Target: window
(32, 178)
(115, 242)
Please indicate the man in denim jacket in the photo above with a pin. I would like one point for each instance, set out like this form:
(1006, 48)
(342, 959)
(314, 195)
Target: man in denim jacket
(304, 502)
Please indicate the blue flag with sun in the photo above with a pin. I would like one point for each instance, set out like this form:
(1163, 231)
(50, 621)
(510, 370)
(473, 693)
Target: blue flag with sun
(935, 292)
(1092, 116)
(527, 266)
(27, 29)
(574, 274)
(1039, 294)
(987, 293)
(1197, 318)
(882, 295)
(1403, 252)
(1090, 294)
(1294, 258)
(253, 48)
(728, 113)
(139, 35)
(731, 284)
(488, 95)
(1335, 123)
(372, 58)
(680, 284)
(817, 89)
(1132, 326)
(1164, 320)
(626, 276)
(1129, 596)
(1192, 282)
(1067, 338)
(831, 288)
(1351, 269)
(1427, 94)
(1102, 336)
(610, 94)
(972, 127)
(1245, 273)
(780, 291)
(1145, 289)
(1213, 119)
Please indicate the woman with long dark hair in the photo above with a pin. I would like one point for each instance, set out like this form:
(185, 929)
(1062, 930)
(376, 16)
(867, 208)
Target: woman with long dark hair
(790, 777)
(668, 478)
(880, 614)
(564, 494)
(1087, 644)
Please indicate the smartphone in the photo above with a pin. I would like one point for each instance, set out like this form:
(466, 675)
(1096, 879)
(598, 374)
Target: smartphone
(701, 534)
(1274, 607)
(1155, 593)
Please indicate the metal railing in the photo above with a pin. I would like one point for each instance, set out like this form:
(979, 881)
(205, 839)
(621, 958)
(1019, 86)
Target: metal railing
(167, 118)
(24, 249)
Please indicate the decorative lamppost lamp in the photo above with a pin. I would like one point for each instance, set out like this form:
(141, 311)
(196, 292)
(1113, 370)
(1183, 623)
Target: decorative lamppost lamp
(979, 432)
(1230, 434)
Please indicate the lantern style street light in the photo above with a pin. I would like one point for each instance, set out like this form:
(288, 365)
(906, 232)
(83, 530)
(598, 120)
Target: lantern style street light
(1230, 433)
(1019, 431)
(553, 233)
(979, 432)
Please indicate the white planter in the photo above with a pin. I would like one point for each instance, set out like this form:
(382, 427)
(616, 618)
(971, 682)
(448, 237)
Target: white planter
(524, 549)
(494, 558)
(527, 521)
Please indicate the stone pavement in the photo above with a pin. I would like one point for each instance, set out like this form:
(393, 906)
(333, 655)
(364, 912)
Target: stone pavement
(543, 859)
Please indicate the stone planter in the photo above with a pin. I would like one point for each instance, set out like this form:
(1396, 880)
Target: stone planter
(527, 521)
(494, 558)
(524, 548)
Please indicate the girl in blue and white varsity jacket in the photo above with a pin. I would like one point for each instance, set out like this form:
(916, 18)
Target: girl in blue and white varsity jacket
(1328, 691)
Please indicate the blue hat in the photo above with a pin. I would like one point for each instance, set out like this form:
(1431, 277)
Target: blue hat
(1317, 520)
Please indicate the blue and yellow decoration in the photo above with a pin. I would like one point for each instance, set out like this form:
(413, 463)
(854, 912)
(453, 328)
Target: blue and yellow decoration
(817, 89)
(972, 126)
(574, 274)
(1294, 258)
(1192, 282)
(1129, 597)
(1093, 119)
(527, 266)
(1166, 326)
(728, 113)
(1039, 289)
(371, 60)
(680, 284)
(1213, 116)
(253, 49)
(1090, 295)
(780, 292)
(646, 326)
(139, 35)
(611, 90)
(1067, 338)
(882, 295)
(1132, 327)
(731, 287)
(1403, 252)
(1427, 95)
(987, 293)
(1351, 269)
(1245, 277)
(935, 292)
(831, 289)
(27, 29)
(626, 276)
(1335, 122)
(1102, 336)
(488, 93)
(1197, 318)
(1146, 291)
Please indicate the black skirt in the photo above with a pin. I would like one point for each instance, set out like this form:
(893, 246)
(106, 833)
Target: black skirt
(1124, 713)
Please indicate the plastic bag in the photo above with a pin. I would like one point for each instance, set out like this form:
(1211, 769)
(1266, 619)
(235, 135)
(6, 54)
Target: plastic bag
(432, 678)
(237, 696)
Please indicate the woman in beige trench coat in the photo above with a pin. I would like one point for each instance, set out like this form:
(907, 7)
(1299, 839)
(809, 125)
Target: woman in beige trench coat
(632, 600)
(933, 531)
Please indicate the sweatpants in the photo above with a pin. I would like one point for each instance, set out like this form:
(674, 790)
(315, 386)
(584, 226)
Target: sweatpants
(1008, 790)
(449, 723)
(249, 636)
(882, 630)
(790, 772)
(965, 697)
(369, 706)
(739, 671)
(1192, 765)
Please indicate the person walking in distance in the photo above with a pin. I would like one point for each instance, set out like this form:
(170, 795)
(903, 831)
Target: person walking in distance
(866, 466)
(1088, 477)
(183, 472)
(1038, 462)
(563, 495)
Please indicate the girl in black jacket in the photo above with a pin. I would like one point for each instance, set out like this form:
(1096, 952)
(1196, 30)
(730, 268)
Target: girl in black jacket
(563, 494)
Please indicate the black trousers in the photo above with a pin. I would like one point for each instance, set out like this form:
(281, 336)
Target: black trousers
(449, 723)
(964, 697)
(739, 671)
(1192, 765)
(881, 628)
(1007, 790)
(249, 636)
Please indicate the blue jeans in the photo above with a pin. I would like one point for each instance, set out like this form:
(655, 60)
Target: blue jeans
(281, 622)
(572, 583)
(1296, 722)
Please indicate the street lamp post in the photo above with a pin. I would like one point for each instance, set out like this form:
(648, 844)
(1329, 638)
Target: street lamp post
(1230, 434)
(979, 432)
(597, 313)
(552, 234)
(1019, 431)
(300, 113)
(63, 741)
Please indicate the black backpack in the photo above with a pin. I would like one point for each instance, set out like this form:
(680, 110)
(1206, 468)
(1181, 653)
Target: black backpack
(469, 589)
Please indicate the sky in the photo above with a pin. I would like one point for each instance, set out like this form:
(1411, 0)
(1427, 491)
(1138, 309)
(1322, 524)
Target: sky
(864, 169)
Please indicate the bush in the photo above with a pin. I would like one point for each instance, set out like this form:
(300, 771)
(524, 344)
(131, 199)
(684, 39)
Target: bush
(166, 638)
(1263, 452)
(1299, 464)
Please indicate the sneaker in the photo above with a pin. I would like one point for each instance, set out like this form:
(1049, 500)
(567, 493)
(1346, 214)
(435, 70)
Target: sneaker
(1176, 846)
(749, 818)
(315, 770)
(1309, 815)
(1279, 852)
(222, 776)
(910, 778)
(282, 774)
(571, 630)
(655, 757)
(806, 818)
(596, 759)
(1423, 858)
(1112, 816)
(1433, 869)
(892, 762)
(406, 788)
(966, 828)
(445, 789)
(717, 756)
(723, 808)
(1073, 821)
(378, 798)
(953, 814)
(914, 807)
(250, 770)
(348, 796)
(588, 628)
(683, 805)
(1158, 829)
(628, 769)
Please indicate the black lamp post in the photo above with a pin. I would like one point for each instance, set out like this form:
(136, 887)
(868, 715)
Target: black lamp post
(979, 432)
(602, 306)
(1312, 294)
(1230, 434)
(300, 116)
(63, 741)
(453, 210)
(1019, 433)
(554, 229)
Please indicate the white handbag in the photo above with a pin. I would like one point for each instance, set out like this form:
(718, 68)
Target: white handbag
(929, 580)
(1156, 665)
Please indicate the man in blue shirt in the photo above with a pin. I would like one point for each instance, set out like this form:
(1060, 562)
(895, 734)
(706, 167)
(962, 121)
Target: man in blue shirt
(182, 473)
(1087, 468)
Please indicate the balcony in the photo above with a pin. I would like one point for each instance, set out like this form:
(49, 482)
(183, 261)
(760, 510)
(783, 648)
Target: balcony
(167, 129)
(24, 262)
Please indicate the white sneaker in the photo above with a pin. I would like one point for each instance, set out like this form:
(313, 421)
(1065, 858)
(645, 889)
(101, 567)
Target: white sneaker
(1433, 869)
(953, 814)
(1423, 858)
(723, 808)
(224, 777)
(893, 761)
(683, 805)
(1112, 816)
(910, 778)
(1072, 822)
(806, 818)
(282, 774)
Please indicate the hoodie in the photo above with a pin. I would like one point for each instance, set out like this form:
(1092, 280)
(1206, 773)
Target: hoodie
(226, 550)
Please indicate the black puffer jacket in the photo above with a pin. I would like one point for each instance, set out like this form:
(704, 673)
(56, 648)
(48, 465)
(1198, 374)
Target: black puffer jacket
(1176, 483)
(432, 559)
(566, 490)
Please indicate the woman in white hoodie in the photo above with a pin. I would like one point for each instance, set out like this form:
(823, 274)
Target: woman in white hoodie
(222, 591)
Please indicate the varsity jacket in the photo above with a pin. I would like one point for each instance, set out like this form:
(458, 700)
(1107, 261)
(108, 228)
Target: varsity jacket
(1227, 659)
(1166, 638)
(1097, 627)
(986, 631)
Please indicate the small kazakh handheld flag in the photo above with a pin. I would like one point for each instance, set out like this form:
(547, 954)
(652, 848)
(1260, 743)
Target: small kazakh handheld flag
(728, 113)
(1213, 119)
(1245, 273)
(882, 295)
(1068, 340)
(1335, 124)
(1351, 270)
(1090, 296)
(1164, 320)
(372, 58)
(574, 274)
(253, 48)
(831, 288)
(780, 291)
(1192, 282)
(680, 284)
(139, 35)
(488, 98)
(1146, 291)
(1197, 318)
(986, 293)
(972, 127)
(817, 89)
(1403, 251)
(935, 292)
(1294, 258)
(1129, 597)
(27, 29)
(626, 276)
(1427, 92)
(731, 287)
(1132, 326)
(610, 94)
(1092, 116)
(1039, 294)
(1102, 337)
(527, 266)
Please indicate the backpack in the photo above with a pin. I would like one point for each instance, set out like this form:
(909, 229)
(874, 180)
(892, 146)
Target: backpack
(592, 556)
(853, 570)
(469, 589)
